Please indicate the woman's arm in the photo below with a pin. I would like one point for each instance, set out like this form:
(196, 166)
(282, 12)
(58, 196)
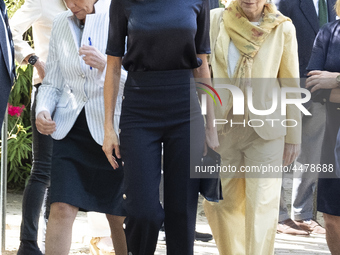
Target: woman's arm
(211, 131)
(111, 87)
(50, 90)
(289, 74)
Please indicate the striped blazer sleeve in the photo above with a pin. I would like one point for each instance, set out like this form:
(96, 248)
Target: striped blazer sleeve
(50, 90)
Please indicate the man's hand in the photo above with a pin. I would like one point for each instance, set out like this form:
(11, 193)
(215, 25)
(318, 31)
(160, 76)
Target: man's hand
(321, 80)
(40, 66)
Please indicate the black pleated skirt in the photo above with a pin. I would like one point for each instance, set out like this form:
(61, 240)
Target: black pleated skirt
(81, 174)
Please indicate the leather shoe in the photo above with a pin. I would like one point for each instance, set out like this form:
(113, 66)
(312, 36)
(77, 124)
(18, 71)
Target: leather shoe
(204, 237)
(101, 246)
(290, 228)
(312, 226)
(29, 248)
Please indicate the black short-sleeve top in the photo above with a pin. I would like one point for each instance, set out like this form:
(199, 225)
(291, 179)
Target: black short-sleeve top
(161, 35)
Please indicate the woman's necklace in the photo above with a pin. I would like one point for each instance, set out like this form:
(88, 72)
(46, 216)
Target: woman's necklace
(260, 20)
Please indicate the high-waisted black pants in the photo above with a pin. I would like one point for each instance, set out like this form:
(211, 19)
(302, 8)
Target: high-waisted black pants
(160, 107)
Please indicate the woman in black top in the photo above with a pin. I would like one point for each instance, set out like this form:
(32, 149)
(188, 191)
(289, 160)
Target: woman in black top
(167, 43)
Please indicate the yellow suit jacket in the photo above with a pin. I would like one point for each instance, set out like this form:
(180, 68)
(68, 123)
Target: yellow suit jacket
(277, 58)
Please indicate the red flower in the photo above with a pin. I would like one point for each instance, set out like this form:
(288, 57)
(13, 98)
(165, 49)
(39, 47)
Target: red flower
(15, 110)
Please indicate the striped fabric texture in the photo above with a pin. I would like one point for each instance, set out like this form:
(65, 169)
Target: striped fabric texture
(70, 84)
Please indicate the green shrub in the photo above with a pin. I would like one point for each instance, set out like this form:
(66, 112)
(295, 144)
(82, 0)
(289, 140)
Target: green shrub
(13, 6)
(19, 155)
(19, 138)
(19, 147)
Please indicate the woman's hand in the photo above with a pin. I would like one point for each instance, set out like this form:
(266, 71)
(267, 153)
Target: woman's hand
(111, 88)
(211, 139)
(44, 123)
(111, 143)
(203, 72)
(321, 80)
(93, 57)
(290, 153)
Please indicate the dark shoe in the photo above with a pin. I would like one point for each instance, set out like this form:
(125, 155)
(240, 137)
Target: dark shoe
(290, 228)
(204, 237)
(29, 248)
(312, 226)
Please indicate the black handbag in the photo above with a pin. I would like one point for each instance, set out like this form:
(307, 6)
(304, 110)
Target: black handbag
(210, 184)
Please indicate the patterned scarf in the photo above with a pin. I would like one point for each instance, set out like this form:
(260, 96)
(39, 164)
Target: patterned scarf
(248, 39)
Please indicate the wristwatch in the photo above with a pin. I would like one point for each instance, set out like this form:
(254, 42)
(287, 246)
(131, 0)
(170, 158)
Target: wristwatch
(33, 59)
(338, 81)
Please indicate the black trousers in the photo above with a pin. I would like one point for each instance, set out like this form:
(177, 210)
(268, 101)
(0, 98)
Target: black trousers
(160, 107)
(38, 183)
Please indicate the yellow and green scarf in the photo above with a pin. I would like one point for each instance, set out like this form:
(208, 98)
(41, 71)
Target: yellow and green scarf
(248, 39)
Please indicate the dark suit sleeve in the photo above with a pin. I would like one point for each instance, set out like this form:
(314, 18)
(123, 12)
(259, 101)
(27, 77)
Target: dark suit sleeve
(213, 4)
(317, 62)
(5, 77)
(5, 85)
(283, 8)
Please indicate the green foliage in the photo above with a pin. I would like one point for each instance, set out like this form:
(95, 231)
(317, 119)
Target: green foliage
(19, 153)
(13, 6)
(19, 138)
(21, 92)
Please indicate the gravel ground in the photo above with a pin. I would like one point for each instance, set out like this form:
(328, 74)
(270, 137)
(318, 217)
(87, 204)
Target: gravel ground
(284, 244)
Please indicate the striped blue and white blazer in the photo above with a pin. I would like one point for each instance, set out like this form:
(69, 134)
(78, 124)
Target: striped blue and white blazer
(70, 84)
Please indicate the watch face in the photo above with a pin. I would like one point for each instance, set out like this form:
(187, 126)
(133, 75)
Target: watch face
(338, 79)
(33, 59)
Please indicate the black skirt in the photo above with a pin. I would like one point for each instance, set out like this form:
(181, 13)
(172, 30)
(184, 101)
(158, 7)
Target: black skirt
(81, 174)
(329, 196)
(329, 184)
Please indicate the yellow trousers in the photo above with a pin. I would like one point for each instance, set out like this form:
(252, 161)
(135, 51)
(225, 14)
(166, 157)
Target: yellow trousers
(244, 223)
